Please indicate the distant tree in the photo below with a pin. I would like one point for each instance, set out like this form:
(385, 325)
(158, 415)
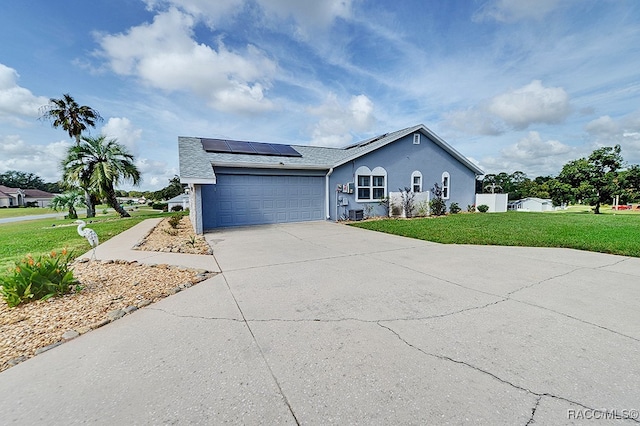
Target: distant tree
(68, 114)
(97, 165)
(174, 189)
(594, 179)
(69, 201)
(24, 180)
(630, 183)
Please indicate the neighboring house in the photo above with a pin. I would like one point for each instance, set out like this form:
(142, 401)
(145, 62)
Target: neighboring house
(37, 196)
(16, 197)
(179, 200)
(236, 183)
(532, 204)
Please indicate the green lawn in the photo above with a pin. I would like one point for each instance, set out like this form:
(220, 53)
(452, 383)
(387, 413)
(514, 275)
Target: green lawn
(42, 236)
(24, 211)
(606, 233)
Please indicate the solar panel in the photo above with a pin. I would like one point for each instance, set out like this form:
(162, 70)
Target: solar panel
(251, 148)
(215, 145)
(240, 147)
(263, 148)
(286, 150)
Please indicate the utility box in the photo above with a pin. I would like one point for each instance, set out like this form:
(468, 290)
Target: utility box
(356, 214)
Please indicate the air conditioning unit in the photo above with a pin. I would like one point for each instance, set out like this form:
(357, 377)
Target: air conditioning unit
(356, 214)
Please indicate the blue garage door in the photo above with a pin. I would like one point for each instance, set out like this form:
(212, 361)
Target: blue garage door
(238, 200)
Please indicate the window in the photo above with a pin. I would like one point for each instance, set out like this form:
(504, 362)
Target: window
(446, 185)
(371, 185)
(416, 181)
(416, 138)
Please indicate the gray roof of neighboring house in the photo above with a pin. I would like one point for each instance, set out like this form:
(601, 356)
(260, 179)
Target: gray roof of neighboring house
(179, 198)
(196, 164)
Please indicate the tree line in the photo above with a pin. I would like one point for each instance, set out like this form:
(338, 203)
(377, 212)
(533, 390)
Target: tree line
(594, 180)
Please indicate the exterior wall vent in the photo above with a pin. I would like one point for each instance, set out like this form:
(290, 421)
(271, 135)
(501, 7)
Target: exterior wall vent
(416, 138)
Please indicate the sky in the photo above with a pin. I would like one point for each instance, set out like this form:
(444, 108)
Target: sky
(514, 85)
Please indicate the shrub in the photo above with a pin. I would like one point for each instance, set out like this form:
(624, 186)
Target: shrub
(422, 208)
(483, 208)
(438, 207)
(408, 202)
(160, 206)
(177, 208)
(454, 208)
(175, 220)
(471, 208)
(41, 278)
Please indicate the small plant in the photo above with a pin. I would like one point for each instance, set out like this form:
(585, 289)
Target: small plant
(385, 203)
(396, 210)
(437, 206)
(192, 241)
(174, 220)
(483, 208)
(38, 279)
(408, 202)
(177, 208)
(454, 208)
(422, 209)
(471, 208)
(171, 231)
(367, 211)
(105, 211)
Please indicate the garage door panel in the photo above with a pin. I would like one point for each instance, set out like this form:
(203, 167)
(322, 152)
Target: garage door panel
(260, 199)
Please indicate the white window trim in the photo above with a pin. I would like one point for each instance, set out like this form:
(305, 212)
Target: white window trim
(365, 171)
(414, 175)
(416, 138)
(448, 186)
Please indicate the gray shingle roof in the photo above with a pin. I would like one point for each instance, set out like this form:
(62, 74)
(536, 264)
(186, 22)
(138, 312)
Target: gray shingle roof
(196, 164)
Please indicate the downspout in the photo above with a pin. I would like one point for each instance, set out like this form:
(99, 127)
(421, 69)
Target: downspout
(326, 193)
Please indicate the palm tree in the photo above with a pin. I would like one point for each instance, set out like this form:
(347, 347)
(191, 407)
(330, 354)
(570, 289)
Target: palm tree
(98, 165)
(73, 118)
(69, 200)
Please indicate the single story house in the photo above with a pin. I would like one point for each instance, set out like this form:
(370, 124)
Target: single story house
(17, 197)
(532, 204)
(181, 200)
(238, 183)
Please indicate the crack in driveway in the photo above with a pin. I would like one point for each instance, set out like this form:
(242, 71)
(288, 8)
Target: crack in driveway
(504, 381)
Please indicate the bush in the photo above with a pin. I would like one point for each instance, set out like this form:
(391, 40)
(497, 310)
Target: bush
(160, 206)
(177, 208)
(41, 278)
(454, 208)
(175, 220)
(437, 207)
(483, 208)
(471, 208)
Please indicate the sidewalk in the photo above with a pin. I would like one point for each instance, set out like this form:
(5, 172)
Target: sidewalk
(121, 247)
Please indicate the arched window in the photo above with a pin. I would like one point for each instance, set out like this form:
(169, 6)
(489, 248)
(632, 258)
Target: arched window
(416, 181)
(446, 185)
(371, 185)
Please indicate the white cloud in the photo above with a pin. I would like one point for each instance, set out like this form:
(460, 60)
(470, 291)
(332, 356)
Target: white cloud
(532, 154)
(211, 12)
(164, 55)
(15, 101)
(308, 14)
(42, 160)
(156, 174)
(122, 129)
(624, 131)
(515, 10)
(338, 120)
(530, 104)
(517, 109)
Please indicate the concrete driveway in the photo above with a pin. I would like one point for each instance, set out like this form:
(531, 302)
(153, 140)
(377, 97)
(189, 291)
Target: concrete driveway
(321, 323)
